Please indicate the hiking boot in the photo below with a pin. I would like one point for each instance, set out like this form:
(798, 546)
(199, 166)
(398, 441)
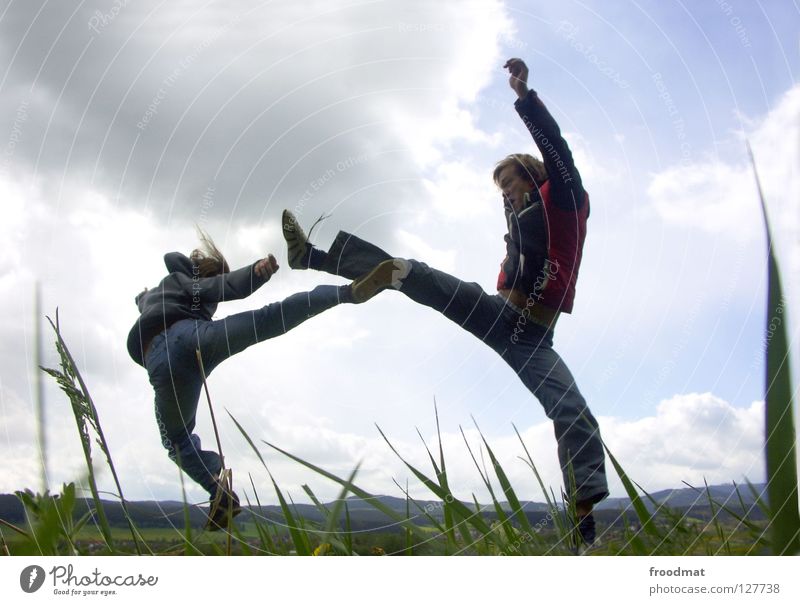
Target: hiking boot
(388, 274)
(224, 506)
(296, 241)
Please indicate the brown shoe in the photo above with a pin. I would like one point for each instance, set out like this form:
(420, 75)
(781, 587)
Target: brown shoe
(388, 274)
(224, 507)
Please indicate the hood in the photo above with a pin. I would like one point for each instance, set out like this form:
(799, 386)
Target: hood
(178, 263)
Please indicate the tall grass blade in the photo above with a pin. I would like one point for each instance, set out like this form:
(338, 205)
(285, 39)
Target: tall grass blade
(409, 535)
(41, 420)
(332, 525)
(449, 521)
(431, 519)
(502, 517)
(458, 507)
(780, 430)
(189, 548)
(299, 538)
(267, 544)
(555, 513)
(86, 415)
(645, 518)
(71, 384)
(508, 490)
(364, 495)
(348, 530)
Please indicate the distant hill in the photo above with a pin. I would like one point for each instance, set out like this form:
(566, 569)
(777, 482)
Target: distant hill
(363, 516)
(688, 498)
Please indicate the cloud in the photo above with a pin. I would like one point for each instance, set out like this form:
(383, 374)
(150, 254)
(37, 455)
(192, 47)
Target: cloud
(719, 197)
(158, 103)
(692, 437)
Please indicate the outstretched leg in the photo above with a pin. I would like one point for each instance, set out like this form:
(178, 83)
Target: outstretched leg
(218, 340)
(464, 303)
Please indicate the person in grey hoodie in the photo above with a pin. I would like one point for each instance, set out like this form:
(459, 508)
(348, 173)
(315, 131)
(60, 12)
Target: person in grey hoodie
(175, 323)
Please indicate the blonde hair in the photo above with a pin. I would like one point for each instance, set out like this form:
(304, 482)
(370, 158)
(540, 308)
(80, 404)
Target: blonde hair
(527, 166)
(208, 259)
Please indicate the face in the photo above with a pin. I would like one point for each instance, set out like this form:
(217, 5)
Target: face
(514, 187)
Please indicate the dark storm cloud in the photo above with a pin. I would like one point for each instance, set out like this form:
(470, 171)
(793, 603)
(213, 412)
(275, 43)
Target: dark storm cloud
(254, 106)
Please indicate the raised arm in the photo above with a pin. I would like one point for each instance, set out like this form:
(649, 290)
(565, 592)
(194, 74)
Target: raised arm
(234, 285)
(566, 188)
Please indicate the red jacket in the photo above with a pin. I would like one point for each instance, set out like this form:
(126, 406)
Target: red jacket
(544, 244)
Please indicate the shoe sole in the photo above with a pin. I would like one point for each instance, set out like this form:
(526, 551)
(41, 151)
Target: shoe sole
(293, 235)
(380, 278)
(214, 525)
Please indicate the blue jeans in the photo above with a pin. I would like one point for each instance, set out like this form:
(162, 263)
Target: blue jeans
(174, 371)
(525, 346)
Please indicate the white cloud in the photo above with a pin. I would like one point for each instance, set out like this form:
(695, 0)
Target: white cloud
(716, 197)
(720, 196)
(425, 249)
(461, 192)
(692, 437)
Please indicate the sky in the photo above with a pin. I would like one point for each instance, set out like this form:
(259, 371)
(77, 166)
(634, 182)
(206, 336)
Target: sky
(124, 125)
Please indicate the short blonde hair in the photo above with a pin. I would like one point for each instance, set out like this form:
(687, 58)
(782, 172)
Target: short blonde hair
(527, 166)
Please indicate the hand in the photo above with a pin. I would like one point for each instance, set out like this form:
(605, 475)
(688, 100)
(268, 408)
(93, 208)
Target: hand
(266, 267)
(519, 76)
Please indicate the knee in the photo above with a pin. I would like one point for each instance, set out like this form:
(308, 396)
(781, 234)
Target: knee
(180, 446)
(567, 407)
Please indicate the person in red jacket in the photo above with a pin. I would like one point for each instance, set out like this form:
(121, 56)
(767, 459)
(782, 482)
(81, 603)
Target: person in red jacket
(546, 209)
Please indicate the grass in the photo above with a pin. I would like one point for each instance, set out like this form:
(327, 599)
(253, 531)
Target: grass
(464, 527)
(779, 424)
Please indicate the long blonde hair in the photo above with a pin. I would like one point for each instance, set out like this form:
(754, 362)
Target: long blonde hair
(207, 258)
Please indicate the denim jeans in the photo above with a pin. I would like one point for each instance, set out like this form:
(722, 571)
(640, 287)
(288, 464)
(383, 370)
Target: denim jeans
(174, 371)
(525, 346)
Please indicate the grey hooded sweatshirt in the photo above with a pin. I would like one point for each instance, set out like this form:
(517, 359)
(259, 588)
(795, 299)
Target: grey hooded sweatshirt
(183, 294)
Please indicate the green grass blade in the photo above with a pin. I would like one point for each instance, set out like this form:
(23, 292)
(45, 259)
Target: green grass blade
(336, 511)
(69, 383)
(441, 477)
(320, 506)
(561, 529)
(363, 494)
(502, 517)
(645, 518)
(348, 531)
(299, 539)
(779, 423)
(508, 490)
(249, 441)
(89, 412)
(409, 535)
(267, 544)
(432, 520)
(458, 507)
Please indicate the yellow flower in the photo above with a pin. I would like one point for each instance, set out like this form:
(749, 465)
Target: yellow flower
(322, 549)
